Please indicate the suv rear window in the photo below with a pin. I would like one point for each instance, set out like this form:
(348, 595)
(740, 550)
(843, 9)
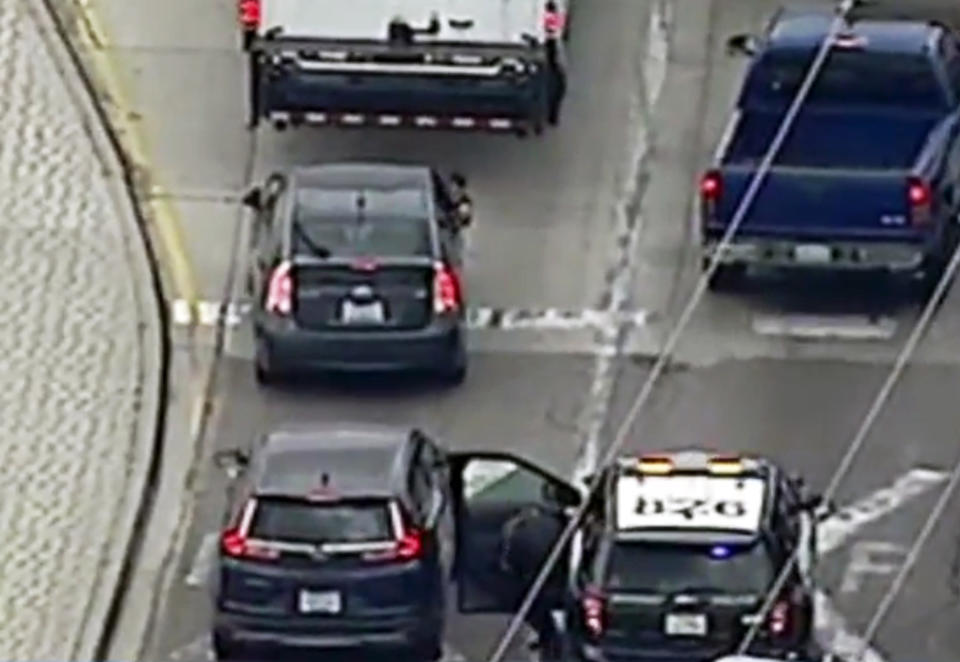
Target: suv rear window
(848, 78)
(295, 521)
(392, 224)
(665, 568)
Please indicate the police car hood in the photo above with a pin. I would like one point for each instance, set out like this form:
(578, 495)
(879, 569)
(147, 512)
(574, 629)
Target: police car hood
(505, 21)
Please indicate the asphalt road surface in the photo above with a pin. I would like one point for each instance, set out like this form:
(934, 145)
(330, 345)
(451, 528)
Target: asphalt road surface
(594, 220)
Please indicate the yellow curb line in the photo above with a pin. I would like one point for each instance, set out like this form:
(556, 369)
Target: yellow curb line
(163, 212)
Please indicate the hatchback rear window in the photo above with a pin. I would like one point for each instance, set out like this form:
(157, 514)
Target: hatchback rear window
(670, 568)
(294, 521)
(392, 224)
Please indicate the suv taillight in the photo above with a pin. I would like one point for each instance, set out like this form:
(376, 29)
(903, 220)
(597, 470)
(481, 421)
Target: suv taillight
(446, 289)
(408, 548)
(235, 544)
(280, 290)
(919, 197)
(711, 188)
(779, 619)
(594, 616)
(249, 11)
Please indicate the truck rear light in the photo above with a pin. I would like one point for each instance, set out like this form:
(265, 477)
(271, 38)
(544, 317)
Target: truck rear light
(280, 290)
(779, 619)
(446, 289)
(235, 544)
(711, 186)
(919, 197)
(249, 14)
(594, 608)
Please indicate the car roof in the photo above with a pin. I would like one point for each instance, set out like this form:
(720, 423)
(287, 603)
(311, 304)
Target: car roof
(804, 30)
(360, 460)
(361, 175)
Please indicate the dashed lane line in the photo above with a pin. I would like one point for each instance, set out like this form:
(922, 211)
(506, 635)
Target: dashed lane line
(509, 319)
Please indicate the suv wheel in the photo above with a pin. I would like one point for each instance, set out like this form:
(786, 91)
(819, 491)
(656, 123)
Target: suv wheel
(455, 372)
(224, 649)
(264, 371)
(429, 650)
(725, 277)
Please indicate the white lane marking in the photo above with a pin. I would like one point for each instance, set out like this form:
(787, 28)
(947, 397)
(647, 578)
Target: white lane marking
(203, 562)
(842, 525)
(820, 327)
(865, 560)
(655, 63)
(834, 634)
(208, 313)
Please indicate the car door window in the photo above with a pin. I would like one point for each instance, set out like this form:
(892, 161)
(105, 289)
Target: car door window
(419, 485)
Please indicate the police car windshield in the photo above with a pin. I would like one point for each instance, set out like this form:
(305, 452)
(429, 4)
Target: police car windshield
(296, 521)
(390, 224)
(667, 568)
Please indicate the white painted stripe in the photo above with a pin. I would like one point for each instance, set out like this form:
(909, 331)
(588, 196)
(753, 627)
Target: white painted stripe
(819, 327)
(834, 634)
(842, 525)
(203, 562)
(516, 319)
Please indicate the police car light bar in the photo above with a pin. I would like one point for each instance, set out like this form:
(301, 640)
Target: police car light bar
(655, 465)
(725, 466)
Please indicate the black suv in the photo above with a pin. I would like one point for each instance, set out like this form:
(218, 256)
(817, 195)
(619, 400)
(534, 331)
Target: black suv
(358, 266)
(674, 560)
(337, 537)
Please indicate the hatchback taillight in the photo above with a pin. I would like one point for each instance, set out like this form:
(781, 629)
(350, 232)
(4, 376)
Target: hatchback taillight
(280, 290)
(594, 616)
(235, 544)
(446, 289)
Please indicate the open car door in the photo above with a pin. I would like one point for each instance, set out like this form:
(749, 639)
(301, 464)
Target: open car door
(489, 489)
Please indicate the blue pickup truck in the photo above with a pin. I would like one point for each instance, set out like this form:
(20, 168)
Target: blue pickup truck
(868, 178)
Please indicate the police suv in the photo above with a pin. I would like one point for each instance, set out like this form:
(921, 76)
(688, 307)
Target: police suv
(423, 64)
(674, 560)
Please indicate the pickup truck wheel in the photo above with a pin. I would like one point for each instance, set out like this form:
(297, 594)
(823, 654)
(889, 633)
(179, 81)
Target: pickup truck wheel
(725, 277)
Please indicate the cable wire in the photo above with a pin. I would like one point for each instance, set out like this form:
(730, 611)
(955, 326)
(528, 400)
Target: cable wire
(666, 352)
(913, 555)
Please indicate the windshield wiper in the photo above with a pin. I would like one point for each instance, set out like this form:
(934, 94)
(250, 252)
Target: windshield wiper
(319, 251)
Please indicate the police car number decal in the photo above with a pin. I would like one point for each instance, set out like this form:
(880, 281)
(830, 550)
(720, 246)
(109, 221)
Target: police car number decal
(691, 508)
(689, 502)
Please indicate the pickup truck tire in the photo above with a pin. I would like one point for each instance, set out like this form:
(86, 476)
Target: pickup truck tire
(725, 277)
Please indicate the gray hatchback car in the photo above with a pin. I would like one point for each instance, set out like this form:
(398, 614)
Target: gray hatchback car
(358, 267)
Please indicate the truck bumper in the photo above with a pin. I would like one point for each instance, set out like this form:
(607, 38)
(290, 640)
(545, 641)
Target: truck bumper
(841, 256)
(295, 98)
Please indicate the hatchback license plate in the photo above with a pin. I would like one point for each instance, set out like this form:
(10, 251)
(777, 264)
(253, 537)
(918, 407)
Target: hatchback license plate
(812, 253)
(362, 313)
(686, 625)
(320, 602)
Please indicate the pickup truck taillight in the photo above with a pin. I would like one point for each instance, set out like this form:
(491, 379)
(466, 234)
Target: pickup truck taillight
(594, 612)
(711, 188)
(919, 197)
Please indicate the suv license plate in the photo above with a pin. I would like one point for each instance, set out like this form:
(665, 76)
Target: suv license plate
(812, 253)
(320, 602)
(686, 625)
(362, 313)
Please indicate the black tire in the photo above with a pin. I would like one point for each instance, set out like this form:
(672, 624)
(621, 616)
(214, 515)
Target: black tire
(455, 372)
(725, 277)
(263, 371)
(225, 649)
(429, 649)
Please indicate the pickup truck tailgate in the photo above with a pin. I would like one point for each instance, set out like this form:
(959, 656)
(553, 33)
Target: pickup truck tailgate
(804, 203)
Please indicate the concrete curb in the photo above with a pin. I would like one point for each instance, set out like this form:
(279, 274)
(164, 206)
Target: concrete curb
(49, 17)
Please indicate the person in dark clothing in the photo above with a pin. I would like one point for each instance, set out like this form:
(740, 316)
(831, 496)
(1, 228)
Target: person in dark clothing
(528, 538)
(556, 75)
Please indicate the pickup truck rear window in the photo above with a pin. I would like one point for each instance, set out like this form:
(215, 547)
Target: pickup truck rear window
(848, 78)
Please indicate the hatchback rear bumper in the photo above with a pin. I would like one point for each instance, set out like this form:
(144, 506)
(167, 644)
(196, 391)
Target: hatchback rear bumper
(289, 349)
(385, 632)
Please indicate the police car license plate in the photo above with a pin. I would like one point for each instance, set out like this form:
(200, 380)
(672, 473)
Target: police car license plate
(686, 625)
(362, 313)
(812, 253)
(320, 602)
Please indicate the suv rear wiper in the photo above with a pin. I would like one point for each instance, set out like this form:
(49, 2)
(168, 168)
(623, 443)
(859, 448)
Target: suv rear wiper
(320, 251)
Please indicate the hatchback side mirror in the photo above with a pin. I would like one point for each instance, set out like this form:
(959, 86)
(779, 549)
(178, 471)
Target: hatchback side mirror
(253, 199)
(232, 460)
(742, 44)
